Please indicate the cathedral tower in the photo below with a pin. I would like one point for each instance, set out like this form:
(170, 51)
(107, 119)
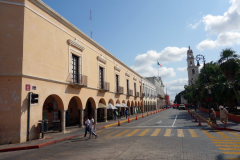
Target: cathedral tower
(191, 67)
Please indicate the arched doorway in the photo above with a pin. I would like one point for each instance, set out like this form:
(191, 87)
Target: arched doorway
(129, 107)
(101, 111)
(110, 115)
(73, 114)
(90, 108)
(53, 111)
(124, 108)
(132, 108)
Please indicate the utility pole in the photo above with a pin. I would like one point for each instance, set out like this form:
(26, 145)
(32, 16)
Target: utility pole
(91, 22)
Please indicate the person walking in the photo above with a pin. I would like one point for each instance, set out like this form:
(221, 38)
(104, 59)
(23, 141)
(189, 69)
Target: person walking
(86, 123)
(213, 117)
(223, 115)
(126, 113)
(115, 114)
(91, 125)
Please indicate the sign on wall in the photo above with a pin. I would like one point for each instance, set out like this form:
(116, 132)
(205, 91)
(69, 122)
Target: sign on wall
(28, 87)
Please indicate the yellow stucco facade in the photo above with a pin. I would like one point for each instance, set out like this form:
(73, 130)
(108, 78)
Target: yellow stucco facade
(36, 48)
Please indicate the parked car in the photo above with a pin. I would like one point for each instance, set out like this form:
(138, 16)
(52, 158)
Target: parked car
(182, 106)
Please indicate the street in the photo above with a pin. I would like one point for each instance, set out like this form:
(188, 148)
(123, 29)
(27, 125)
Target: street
(171, 134)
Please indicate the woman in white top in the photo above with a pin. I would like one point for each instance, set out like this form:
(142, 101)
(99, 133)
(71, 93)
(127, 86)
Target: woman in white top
(91, 125)
(86, 123)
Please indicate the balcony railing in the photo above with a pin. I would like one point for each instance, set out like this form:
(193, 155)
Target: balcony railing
(143, 94)
(129, 92)
(119, 90)
(137, 94)
(104, 86)
(77, 80)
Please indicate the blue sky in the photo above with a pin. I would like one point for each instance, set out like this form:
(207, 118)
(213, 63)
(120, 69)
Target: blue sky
(140, 32)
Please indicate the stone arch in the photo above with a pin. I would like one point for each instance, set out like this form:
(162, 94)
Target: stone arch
(132, 108)
(73, 114)
(118, 101)
(53, 111)
(111, 101)
(101, 112)
(102, 100)
(90, 108)
(128, 103)
(123, 101)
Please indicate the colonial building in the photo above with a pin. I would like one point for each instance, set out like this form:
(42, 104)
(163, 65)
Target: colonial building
(157, 81)
(43, 54)
(191, 67)
(149, 95)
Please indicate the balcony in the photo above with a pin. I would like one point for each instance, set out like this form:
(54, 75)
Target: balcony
(143, 95)
(137, 94)
(77, 80)
(129, 92)
(103, 86)
(119, 90)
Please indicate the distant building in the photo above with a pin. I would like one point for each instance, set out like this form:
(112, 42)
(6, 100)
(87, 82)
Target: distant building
(149, 95)
(191, 67)
(167, 101)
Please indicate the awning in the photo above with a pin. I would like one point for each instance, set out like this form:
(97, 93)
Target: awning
(119, 105)
(124, 105)
(100, 105)
(110, 106)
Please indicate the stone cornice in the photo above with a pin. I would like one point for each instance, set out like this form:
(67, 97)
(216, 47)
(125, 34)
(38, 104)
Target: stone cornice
(134, 78)
(75, 44)
(127, 74)
(101, 59)
(117, 68)
(65, 22)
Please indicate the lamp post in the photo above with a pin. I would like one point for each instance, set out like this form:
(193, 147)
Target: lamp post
(198, 58)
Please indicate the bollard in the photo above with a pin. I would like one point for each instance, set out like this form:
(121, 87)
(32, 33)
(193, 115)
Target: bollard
(128, 120)
(119, 123)
(136, 117)
(193, 116)
(199, 124)
(142, 116)
(147, 113)
(151, 113)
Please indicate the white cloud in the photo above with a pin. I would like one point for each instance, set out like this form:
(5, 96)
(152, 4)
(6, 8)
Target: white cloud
(195, 25)
(228, 22)
(176, 86)
(223, 39)
(144, 62)
(184, 69)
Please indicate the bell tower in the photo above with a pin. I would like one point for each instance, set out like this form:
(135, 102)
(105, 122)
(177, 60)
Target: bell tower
(191, 67)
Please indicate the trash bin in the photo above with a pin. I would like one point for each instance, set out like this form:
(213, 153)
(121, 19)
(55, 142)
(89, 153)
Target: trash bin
(45, 125)
(40, 127)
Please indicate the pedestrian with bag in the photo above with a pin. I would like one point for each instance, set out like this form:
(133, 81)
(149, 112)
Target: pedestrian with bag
(86, 123)
(91, 125)
(126, 113)
(213, 117)
(223, 115)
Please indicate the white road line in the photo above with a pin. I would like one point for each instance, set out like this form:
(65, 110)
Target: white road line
(159, 122)
(174, 120)
(149, 120)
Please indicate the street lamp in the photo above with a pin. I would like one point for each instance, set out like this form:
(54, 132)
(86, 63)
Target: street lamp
(198, 58)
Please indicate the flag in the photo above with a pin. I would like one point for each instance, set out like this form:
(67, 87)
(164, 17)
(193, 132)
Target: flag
(159, 64)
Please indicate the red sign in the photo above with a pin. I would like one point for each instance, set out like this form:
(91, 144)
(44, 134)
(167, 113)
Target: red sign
(28, 87)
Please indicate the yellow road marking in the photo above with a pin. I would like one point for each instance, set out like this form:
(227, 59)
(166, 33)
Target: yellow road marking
(121, 133)
(103, 132)
(193, 133)
(231, 152)
(235, 134)
(234, 158)
(228, 145)
(230, 149)
(222, 134)
(144, 132)
(155, 133)
(228, 142)
(180, 133)
(167, 133)
(98, 131)
(208, 134)
(224, 140)
(111, 134)
(133, 132)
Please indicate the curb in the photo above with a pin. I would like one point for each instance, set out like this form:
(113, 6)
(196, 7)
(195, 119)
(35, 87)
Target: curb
(59, 140)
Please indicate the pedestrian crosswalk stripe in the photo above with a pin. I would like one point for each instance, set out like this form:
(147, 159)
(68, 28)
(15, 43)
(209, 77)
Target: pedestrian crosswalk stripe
(228, 142)
(235, 134)
(230, 149)
(231, 152)
(224, 140)
(111, 134)
(221, 145)
(233, 158)
(208, 134)
(193, 133)
(144, 132)
(121, 133)
(222, 134)
(167, 133)
(103, 132)
(133, 132)
(180, 133)
(155, 133)
(99, 131)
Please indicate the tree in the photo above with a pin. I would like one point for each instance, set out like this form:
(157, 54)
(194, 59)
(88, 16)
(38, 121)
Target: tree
(226, 54)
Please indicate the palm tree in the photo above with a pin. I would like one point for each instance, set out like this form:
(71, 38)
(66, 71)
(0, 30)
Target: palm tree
(226, 54)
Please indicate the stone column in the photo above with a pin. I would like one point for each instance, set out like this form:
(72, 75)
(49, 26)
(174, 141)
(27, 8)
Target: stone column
(81, 120)
(105, 114)
(63, 120)
(95, 116)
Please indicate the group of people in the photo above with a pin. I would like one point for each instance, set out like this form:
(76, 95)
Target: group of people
(223, 116)
(115, 113)
(89, 126)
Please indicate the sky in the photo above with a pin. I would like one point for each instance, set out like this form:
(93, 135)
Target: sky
(140, 32)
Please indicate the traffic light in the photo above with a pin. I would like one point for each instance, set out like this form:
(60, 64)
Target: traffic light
(34, 98)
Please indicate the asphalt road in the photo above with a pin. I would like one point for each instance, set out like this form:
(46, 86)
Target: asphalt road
(171, 134)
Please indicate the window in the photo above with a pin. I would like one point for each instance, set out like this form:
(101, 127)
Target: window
(193, 71)
(117, 83)
(127, 86)
(189, 56)
(101, 75)
(190, 63)
(135, 93)
(75, 71)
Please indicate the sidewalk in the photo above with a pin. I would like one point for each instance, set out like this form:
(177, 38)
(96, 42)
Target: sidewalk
(230, 124)
(71, 132)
